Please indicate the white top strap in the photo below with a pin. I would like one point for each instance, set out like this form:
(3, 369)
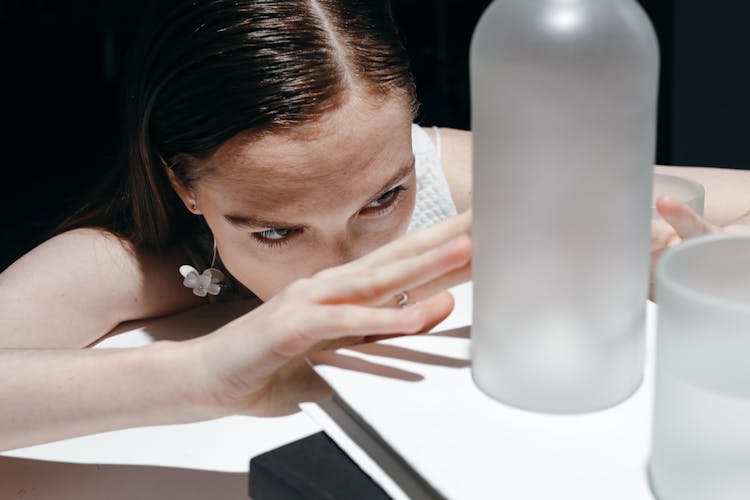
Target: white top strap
(433, 198)
(438, 143)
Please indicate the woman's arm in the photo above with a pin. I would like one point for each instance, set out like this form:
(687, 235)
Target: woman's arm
(727, 190)
(252, 365)
(64, 295)
(52, 394)
(76, 287)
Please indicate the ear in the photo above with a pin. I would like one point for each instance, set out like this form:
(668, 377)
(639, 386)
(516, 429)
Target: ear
(187, 196)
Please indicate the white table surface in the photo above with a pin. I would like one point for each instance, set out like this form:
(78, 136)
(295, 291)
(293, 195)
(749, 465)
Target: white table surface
(202, 460)
(210, 459)
(417, 394)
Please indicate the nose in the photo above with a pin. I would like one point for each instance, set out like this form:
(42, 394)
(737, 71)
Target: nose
(339, 250)
(345, 249)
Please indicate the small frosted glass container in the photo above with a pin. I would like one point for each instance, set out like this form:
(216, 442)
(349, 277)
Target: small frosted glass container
(688, 191)
(700, 446)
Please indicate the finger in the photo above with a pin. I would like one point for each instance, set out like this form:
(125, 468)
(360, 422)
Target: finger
(440, 284)
(328, 323)
(663, 237)
(662, 234)
(418, 242)
(345, 324)
(376, 287)
(683, 219)
(438, 307)
(655, 255)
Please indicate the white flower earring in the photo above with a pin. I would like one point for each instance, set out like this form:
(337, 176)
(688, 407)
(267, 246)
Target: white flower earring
(208, 282)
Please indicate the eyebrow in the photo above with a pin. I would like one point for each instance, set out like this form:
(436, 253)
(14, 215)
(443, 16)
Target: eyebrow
(244, 221)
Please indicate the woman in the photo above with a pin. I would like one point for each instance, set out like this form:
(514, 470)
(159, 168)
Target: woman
(273, 141)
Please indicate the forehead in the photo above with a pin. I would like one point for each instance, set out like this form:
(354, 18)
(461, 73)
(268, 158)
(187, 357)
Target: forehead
(352, 149)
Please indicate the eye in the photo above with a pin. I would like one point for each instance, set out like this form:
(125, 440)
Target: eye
(386, 200)
(274, 237)
(383, 200)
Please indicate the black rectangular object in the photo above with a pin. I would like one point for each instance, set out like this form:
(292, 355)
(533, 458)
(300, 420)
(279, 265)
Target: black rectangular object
(312, 468)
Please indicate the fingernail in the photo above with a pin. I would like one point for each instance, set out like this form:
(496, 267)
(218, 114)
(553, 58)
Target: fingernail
(662, 198)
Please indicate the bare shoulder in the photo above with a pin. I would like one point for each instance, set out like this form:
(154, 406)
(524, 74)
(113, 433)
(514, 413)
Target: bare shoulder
(75, 287)
(727, 189)
(456, 154)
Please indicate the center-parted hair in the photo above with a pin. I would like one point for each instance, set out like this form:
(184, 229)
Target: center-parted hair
(203, 71)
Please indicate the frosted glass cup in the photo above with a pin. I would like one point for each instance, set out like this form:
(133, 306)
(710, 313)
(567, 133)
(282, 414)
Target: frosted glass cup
(700, 447)
(688, 191)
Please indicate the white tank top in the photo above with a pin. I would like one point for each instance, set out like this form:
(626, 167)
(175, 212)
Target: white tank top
(433, 200)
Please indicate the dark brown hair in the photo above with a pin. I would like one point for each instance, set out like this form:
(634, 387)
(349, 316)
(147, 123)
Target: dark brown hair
(203, 71)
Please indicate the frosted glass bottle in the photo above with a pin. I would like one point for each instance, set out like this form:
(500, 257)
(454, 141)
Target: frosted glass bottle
(563, 99)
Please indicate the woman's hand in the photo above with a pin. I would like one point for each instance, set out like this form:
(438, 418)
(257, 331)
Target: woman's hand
(680, 223)
(256, 365)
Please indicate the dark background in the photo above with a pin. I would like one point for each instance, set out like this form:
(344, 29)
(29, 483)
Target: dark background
(62, 67)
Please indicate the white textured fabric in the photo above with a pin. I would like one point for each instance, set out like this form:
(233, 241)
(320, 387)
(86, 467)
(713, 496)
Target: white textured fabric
(433, 203)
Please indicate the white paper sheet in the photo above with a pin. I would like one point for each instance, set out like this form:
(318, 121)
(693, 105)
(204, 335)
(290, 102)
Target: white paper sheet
(417, 394)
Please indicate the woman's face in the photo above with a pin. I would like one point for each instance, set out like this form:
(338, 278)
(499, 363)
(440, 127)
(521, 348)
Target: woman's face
(282, 207)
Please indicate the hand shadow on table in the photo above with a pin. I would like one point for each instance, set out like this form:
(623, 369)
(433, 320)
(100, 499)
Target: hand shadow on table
(384, 350)
(43, 480)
